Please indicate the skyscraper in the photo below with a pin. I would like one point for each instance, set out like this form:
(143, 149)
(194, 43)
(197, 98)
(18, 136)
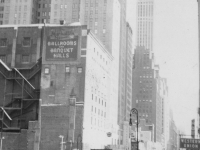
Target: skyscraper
(145, 17)
(147, 95)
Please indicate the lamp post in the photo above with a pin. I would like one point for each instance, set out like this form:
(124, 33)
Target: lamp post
(134, 111)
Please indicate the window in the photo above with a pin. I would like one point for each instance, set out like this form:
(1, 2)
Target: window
(6, 15)
(1, 8)
(44, 14)
(3, 42)
(55, 6)
(46, 70)
(25, 8)
(26, 42)
(1, 15)
(3, 58)
(65, 6)
(25, 15)
(25, 58)
(7, 8)
(67, 69)
(80, 70)
(2, 1)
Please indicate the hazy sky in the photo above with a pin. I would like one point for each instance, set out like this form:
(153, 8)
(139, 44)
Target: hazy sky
(176, 50)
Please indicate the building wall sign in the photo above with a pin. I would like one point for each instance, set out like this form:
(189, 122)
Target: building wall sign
(190, 144)
(61, 45)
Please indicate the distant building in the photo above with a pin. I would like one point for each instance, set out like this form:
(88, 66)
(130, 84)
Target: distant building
(173, 143)
(199, 66)
(18, 12)
(148, 90)
(145, 20)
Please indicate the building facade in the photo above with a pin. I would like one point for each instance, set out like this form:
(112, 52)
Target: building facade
(63, 85)
(147, 95)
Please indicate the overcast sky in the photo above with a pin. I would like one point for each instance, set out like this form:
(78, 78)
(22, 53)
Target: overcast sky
(176, 51)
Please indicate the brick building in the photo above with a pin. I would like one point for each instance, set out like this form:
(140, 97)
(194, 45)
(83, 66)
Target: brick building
(58, 89)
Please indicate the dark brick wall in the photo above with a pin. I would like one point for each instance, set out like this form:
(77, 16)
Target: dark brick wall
(54, 123)
(15, 141)
(56, 88)
(10, 34)
(34, 33)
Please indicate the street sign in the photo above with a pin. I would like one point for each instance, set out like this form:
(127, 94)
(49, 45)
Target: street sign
(190, 144)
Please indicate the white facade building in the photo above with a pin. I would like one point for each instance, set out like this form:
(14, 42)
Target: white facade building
(100, 110)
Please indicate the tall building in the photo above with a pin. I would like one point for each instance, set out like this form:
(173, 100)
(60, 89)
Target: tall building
(145, 20)
(43, 11)
(122, 120)
(199, 65)
(18, 12)
(148, 90)
(128, 72)
(128, 87)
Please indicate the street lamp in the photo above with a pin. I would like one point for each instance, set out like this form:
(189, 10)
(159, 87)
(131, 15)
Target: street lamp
(134, 111)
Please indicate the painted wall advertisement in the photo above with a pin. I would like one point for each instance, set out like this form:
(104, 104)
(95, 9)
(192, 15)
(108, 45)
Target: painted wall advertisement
(62, 44)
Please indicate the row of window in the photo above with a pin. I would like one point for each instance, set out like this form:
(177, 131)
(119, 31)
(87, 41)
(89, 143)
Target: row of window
(143, 101)
(99, 112)
(100, 102)
(20, 8)
(24, 58)
(67, 70)
(26, 42)
(21, 0)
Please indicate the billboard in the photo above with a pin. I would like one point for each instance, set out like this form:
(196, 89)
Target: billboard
(61, 44)
(190, 144)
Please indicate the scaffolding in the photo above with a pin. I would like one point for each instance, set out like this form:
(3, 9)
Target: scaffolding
(20, 99)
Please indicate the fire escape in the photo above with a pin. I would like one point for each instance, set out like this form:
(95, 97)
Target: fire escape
(19, 103)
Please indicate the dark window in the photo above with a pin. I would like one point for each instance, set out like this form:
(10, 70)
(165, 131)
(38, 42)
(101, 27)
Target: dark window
(3, 58)
(1, 8)
(3, 42)
(25, 58)
(26, 42)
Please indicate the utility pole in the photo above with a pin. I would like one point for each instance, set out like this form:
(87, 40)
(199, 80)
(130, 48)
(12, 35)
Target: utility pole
(135, 111)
